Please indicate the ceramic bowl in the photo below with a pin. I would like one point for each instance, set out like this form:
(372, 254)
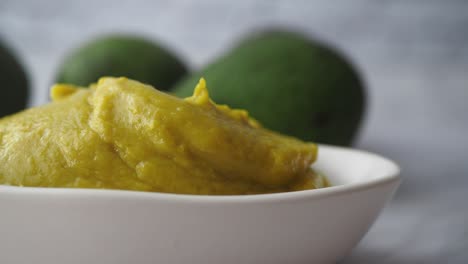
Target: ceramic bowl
(67, 226)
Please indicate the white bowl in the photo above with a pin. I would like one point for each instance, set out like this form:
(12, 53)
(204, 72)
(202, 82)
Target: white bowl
(66, 226)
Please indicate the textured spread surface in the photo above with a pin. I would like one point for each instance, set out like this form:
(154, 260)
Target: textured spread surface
(122, 134)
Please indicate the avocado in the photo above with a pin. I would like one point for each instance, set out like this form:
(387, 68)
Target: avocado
(122, 55)
(290, 83)
(14, 82)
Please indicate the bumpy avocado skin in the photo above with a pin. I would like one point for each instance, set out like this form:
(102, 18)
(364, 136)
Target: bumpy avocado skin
(14, 82)
(291, 84)
(122, 55)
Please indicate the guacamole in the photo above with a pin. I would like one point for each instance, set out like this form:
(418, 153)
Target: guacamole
(122, 134)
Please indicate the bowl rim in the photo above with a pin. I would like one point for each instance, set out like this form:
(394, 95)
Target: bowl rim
(391, 175)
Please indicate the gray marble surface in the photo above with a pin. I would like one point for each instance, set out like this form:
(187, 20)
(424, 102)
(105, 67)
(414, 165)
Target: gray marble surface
(413, 54)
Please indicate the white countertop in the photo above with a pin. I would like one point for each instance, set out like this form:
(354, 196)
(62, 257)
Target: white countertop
(414, 56)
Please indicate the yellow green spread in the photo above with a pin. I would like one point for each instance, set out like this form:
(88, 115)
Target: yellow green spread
(122, 134)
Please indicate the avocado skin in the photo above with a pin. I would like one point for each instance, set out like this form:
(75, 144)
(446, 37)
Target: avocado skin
(122, 55)
(291, 84)
(14, 82)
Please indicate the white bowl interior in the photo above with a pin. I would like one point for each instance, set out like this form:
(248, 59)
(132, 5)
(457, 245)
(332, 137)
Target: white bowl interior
(346, 166)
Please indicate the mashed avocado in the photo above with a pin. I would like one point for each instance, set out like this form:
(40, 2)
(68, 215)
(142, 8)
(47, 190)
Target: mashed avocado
(122, 134)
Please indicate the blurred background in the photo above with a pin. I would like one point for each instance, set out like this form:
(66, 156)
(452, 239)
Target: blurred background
(413, 56)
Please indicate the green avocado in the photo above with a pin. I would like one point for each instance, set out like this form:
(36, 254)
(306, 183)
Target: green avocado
(290, 83)
(15, 85)
(122, 55)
